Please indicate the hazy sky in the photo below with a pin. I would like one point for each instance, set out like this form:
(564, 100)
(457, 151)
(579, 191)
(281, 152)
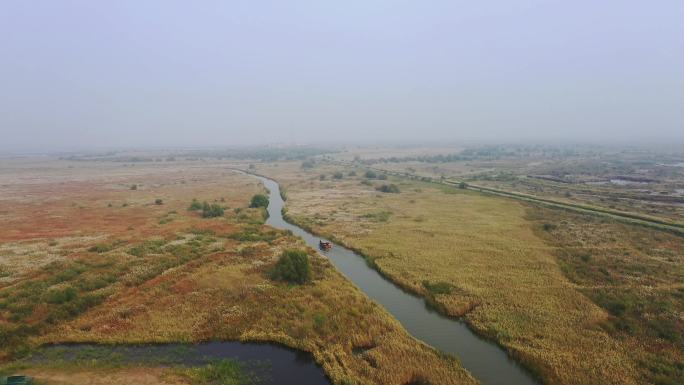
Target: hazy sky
(140, 73)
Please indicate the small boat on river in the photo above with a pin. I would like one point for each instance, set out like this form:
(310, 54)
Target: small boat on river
(324, 245)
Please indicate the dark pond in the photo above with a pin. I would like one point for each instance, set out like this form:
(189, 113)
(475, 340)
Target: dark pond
(270, 364)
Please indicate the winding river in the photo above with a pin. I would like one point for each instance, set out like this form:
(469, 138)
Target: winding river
(486, 361)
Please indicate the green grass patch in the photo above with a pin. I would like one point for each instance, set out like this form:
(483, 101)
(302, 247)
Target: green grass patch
(438, 287)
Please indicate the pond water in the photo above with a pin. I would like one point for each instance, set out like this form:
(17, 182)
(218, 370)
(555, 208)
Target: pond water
(270, 364)
(486, 361)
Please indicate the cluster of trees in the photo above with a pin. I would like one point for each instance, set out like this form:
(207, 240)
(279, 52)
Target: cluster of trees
(260, 153)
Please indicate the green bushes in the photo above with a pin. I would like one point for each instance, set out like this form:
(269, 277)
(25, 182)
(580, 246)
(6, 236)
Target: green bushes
(380, 216)
(195, 205)
(293, 266)
(147, 247)
(370, 174)
(338, 175)
(255, 234)
(438, 287)
(158, 202)
(319, 320)
(100, 248)
(259, 200)
(211, 210)
(208, 210)
(60, 296)
(388, 188)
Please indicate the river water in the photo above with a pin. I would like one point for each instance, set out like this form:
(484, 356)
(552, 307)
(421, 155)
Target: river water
(486, 361)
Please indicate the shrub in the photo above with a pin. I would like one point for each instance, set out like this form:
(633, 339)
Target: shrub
(382, 177)
(462, 185)
(100, 248)
(254, 234)
(616, 307)
(338, 175)
(352, 173)
(57, 296)
(259, 200)
(134, 187)
(438, 287)
(211, 210)
(321, 177)
(366, 182)
(388, 188)
(223, 372)
(308, 164)
(158, 201)
(548, 226)
(147, 247)
(371, 174)
(293, 266)
(380, 216)
(195, 205)
(319, 320)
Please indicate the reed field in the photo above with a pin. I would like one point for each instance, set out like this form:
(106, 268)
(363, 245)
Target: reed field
(503, 266)
(90, 258)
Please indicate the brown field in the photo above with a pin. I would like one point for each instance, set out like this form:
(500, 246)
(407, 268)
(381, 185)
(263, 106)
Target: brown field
(87, 258)
(510, 280)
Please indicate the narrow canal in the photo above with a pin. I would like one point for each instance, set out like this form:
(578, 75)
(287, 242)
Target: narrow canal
(486, 361)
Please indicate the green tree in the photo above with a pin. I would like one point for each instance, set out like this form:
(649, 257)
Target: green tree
(293, 266)
(259, 200)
